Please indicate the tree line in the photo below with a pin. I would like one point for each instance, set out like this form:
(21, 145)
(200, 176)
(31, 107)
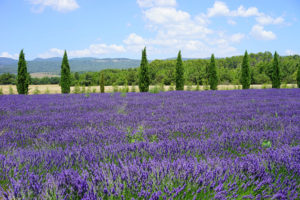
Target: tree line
(195, 72)
(265, 68)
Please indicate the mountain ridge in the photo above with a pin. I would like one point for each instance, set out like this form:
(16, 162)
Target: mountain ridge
(9, 65)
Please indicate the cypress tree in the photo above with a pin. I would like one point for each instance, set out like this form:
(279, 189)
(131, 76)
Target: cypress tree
(102, 83)
(144, 80)
(65, 79)
(212, 74)
(179, 73)
(276, 72)
(246, 78)
(23, 76)
(298, 75)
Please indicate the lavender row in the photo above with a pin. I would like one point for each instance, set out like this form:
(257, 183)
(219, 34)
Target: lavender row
(172, 145)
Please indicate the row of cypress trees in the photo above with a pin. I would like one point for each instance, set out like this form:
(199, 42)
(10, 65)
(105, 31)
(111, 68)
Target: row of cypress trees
(144, 79)
(246, 75)
(212, 73)
(246, 78)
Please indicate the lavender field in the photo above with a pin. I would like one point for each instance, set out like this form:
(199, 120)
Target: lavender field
(171, 145)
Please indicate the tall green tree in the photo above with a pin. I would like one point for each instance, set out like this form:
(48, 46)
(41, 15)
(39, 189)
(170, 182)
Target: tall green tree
(102, 83)
(144, 80)
(298, 75)
(179, 73)
(65, 78)
(246, 75)
(276, 72)
(23, 76)
(212, 74)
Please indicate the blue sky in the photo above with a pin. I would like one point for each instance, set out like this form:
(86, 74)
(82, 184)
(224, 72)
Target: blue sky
(121, 28)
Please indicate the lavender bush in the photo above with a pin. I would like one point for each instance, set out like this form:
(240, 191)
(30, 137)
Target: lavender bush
(170, 145)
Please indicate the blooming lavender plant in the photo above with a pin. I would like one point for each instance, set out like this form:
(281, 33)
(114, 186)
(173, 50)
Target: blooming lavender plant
(192, 145)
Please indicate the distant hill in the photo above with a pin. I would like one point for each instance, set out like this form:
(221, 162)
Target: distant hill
(52, 65)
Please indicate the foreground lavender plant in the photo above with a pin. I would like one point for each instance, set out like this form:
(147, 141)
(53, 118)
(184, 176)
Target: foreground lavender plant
(172, 145)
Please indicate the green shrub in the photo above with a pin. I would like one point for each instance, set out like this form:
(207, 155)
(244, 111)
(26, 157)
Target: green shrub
(1, 91)
(197, 87)
(171, 87)
(189, 87)
(89, 90)
(36, 90)
(284, 85)
(11, 90)
(82, 89)
(133, 89)
(264, 86)
(155, 89)
(266, 144)
(115, 88)
(76, 89)
(135, 137)
(162, 87)
(125, 88)
(47, 91)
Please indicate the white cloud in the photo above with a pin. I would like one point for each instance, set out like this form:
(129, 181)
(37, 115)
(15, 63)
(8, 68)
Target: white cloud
(219, 8)
(153, 3)
(265, 19)
(161, 15)
(174, 29)
(259, 33)
(58, 5)
(290, 52)
(54, 52)
(242, 12)
(237, 37)
(8, 55)
(93, 50)
(134, 39)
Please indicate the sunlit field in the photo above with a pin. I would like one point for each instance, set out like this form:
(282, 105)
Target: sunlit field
(238, 144)
(55, 89)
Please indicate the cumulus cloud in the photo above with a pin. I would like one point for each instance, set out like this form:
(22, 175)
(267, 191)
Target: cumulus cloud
(242, 12)
(175, 29)
(237, 37)
(220, 9)
(258, 32)
(153, 3)
(54, 52)
(58, 5)
(8, 55)
(161, 15)
(265, 19)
